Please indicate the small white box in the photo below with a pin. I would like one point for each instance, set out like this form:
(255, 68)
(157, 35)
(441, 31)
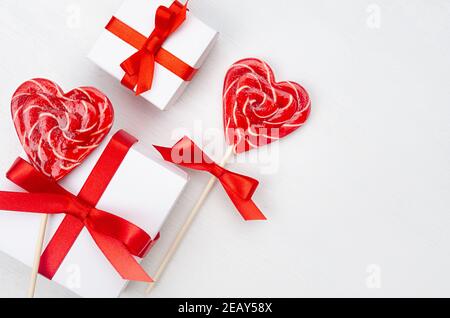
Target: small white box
(191, 43)
(143, 191)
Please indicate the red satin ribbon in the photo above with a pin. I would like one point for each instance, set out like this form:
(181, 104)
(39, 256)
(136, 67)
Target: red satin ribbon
(139, 68)
(239, 188)
(118, 239)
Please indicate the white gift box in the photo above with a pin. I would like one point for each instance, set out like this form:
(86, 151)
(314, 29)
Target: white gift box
(143, 191)
(191, 43)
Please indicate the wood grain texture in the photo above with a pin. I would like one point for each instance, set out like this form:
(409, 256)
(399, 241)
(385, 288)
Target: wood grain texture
(360, 193)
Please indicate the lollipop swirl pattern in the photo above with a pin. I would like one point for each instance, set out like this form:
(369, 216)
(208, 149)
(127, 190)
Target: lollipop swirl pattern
(57, 130)
(257, 109)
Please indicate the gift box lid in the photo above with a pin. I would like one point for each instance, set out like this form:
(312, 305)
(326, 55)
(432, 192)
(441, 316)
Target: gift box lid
(191, 43)
(143, 191)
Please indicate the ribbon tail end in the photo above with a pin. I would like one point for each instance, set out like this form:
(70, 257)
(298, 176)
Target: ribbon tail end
(256, 218)
(250, 212)
(142, 89)
(144, 278)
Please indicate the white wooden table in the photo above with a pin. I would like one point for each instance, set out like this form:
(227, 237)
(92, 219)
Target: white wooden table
(358, 201)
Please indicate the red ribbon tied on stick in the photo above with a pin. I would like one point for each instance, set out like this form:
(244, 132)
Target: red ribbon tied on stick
(118, 239)
(139, 68)
(239, 188)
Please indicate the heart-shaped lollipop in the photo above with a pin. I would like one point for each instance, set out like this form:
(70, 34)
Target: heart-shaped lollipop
(257, 109)
(57, 130)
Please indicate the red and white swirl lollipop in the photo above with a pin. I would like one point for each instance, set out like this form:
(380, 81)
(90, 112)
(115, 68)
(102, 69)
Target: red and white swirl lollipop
(58, 131)
(257, 109)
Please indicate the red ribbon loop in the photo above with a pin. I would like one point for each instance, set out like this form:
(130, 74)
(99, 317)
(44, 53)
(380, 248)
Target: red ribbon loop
(239, 188)
(118, 239)
(139, 68)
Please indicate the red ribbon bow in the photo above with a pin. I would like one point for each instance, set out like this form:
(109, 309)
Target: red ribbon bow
(139, 68)
(118, 239)
(239, 188)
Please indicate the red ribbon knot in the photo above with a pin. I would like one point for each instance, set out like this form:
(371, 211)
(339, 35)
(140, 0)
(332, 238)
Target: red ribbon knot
(118, 239)
(239, 188)
(78, 209)
(139, 68)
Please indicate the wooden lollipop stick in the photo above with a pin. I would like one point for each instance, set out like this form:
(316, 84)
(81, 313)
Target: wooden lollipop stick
(173, 248)
(37, 255)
